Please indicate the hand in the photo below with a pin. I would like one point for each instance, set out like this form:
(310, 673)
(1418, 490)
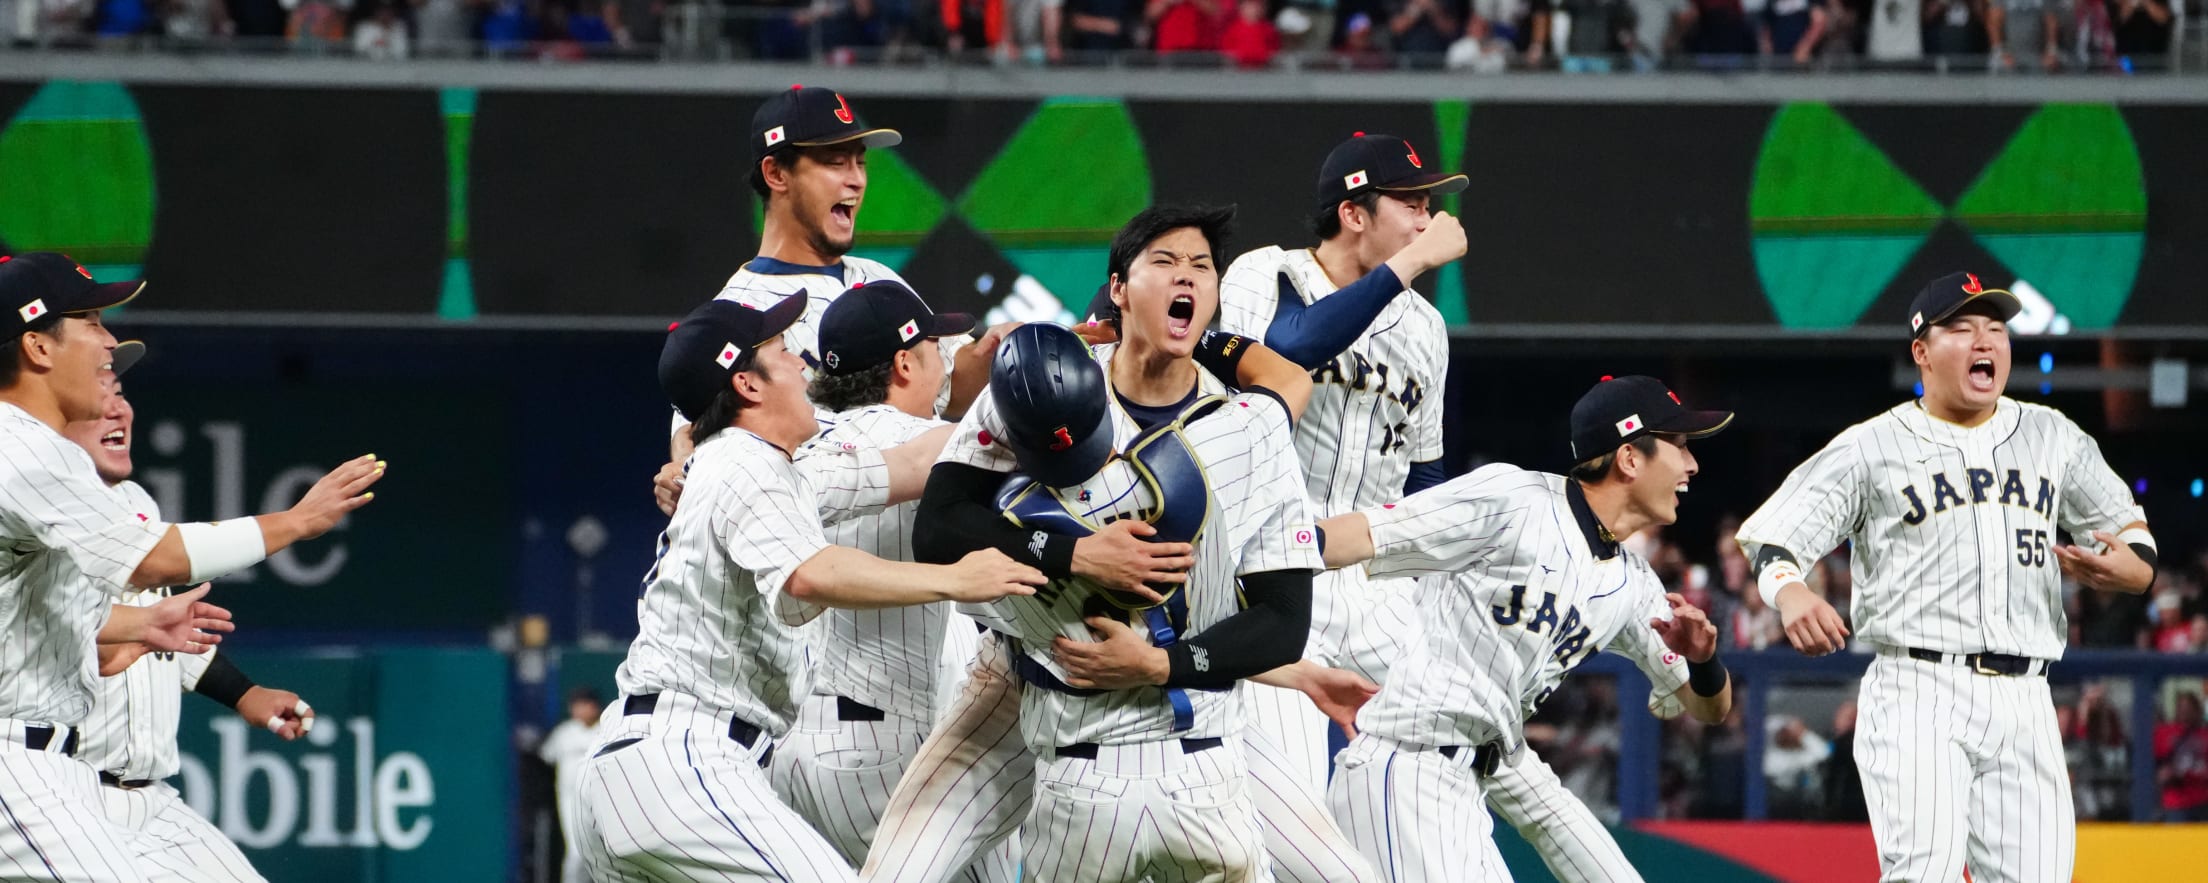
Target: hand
(667, 487)
(1118, 558)
(185, 624)
(1097, 333)
(281, 711)
(341, 491)
(114, 658)
(1338, 692)
(1811, 623)
(1689, 632)
(1441, 242)
(970, 368)
(987, 574)
(2117, 570)
(1121, 658)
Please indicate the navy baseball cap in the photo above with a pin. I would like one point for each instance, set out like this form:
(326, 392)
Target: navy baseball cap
(1379, 162)
(869, 324)
(811, 116)
(1621, 409)
(1051, 394)
(126, 354)
(38, 286)
(1947, 295)
(713, 343)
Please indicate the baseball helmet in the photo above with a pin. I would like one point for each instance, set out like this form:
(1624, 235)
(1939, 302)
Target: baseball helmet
(1051, 395)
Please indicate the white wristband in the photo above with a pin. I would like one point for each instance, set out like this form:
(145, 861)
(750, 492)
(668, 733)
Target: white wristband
(2138, 536)
(219, 548)
(1775, 576)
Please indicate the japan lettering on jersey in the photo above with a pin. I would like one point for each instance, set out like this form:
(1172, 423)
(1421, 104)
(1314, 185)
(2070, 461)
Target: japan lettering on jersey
(1953, 527)
(1376, 408)
(1515, 596)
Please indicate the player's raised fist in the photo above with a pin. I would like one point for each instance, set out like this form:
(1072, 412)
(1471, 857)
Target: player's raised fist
(987, 574)
(1443, 239)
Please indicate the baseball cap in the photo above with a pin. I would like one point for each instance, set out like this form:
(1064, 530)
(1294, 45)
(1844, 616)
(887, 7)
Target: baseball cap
(1948, 294)
(126, 354)
(811, 116)
(42, 284)
(1051, 394)
(714, 342)
(1379, 162)
(1621, 409)
(869, 324)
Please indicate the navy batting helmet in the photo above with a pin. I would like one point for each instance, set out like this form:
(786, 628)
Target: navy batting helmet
(1051, 394)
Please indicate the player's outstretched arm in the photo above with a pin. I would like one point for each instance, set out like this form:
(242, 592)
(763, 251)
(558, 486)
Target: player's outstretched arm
(218, 678)
(970, 369)
(958, 514)
(910, 463)
(1313, 334)
(1348, 540)
(1260, 366)
(201, 551)
(178, 624)
(838, 576)
(2126, 564)
(1708, 692)
(1337, 692)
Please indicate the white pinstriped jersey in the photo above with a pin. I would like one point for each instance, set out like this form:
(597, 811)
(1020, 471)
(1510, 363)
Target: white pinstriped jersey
(1259, 522)
(1953, 527)
(68, 545)
(1518, 596)
(762, 290)
(713, 622)
(887, 658)
(1377, 408)
(131, 730)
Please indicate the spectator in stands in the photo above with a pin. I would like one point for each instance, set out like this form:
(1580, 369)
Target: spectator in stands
(507, 26)
(2100, 768)
(855, 23)
(1954, 27)
(1719, 28)
(973, 24)
(1751, 625)
(262, 21)
(195, 21)
(1036, 30)
(2173, 629)
(1791, 29)
(1097, 25)
(1894, 31)
(2092, 35)
(1250, 40)
(1307, 26)
(1843, 785)
(315, 25)
(1184, 25)
(443, 27)
(1358, 48)
(2142, 28)
(379, 31)
(1657, 27)
(1792, 761)
(2023, 34)
(2181, 761)
(123, 18)
(1423, 27)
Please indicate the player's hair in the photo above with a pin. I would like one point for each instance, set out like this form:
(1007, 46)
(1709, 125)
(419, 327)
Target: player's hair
(11, 356)
(856, 390)
(1326, 223)
(722, 412)
(1151, 224)
(1596, 470)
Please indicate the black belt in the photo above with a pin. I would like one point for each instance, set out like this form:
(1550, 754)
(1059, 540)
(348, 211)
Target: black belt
(114, 781)
(1088, 750)
(1485, 758)
(740, 732)
(1985, 663)
(854, 710)
(37, 738)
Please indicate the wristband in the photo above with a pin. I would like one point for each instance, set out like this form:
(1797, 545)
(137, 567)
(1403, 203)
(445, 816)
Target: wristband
(1776, 575)
(1707, 679)
(1221, 354)
(219, 548)
(223, 682)
(2137, 536)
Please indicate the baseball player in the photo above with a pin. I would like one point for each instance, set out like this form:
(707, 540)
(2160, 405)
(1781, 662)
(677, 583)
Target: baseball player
(718, 669)
(876, 672)
(68, 546)
(1379, 357)
(1525, 581)
(563, 749)
(130, 734)
(1954, 504)
(973, 781)
(809, 169)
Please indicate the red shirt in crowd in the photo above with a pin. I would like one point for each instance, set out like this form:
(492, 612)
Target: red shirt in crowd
(2183, 749)
(1250, 43)
(1186, 27)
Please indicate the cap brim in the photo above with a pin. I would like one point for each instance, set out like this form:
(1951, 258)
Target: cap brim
(106, 296)
(1431, 183)
(126, 354)
(1695, 424)
(950, 325)
(872, 138)
(781, 316)
(2006, 303)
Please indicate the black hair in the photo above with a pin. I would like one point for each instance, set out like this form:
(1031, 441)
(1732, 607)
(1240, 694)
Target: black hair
(1151, 224)
(1596, 470)
(11, 361)
(1326, 223)
(721, 413)
(584, 694)
(869, 386)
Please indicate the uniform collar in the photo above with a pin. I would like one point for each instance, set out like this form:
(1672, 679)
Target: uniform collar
(766, 266)
(1999, 426)
(1599, 539)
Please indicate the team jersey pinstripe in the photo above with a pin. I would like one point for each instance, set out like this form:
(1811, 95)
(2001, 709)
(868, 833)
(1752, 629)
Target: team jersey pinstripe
(1952, 527)
(1259, 522)
(131, 730)
(1515, 598)
(761, 290)
(68, 545)
(714, 622)
(1377, 409)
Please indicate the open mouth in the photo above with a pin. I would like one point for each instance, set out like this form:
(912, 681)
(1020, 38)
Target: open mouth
(1982, 374)
(1180, 315)
(844, 211)
(115, 441)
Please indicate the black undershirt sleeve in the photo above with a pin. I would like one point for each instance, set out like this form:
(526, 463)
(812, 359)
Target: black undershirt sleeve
(958, 514)
(1268, 633)
(223, 681)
